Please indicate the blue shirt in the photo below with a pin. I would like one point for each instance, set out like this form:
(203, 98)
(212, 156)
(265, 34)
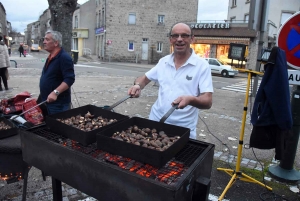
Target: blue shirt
(60, 69)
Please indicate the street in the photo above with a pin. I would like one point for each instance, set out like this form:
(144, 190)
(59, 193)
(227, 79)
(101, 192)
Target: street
(104, 83)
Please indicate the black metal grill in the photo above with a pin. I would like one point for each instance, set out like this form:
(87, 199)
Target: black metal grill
(104, 176)
(168, 174)
(12, 167)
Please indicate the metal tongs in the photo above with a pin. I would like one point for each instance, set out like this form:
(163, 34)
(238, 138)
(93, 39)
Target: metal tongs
(174, 107)
(118, 103)
(16, 116)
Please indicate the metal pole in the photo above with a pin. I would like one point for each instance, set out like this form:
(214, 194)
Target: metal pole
(262, 29)
(285, 170)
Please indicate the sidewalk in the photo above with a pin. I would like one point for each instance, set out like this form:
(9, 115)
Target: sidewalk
(93, 58)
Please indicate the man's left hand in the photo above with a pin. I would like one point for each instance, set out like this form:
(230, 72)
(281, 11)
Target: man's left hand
(182, 101)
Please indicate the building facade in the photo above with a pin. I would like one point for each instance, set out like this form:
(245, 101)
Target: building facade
(137, 30)
(83, 37)
(213, 38)
(44, 20)
(3, 24)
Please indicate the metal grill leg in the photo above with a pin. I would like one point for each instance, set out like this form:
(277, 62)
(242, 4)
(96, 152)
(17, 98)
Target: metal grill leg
(56, 187)
(201, 189)
(25, 183)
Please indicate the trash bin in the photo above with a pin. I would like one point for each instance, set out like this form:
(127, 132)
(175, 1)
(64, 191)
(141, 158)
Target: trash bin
(75, 56)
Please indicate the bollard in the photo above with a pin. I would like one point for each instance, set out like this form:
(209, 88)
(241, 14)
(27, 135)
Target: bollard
(285, 170)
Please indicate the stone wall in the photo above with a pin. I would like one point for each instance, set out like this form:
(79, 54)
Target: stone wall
(147, 27)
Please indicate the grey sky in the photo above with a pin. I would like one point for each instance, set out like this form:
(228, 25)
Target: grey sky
(22, 12)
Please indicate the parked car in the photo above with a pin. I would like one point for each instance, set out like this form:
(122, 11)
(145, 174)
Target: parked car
(220, 67)
(35, 48)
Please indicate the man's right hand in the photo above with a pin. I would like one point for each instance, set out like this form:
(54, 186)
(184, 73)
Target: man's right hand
(134, 91)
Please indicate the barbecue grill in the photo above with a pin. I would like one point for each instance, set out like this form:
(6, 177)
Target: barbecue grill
(12, 166)
(105, 176)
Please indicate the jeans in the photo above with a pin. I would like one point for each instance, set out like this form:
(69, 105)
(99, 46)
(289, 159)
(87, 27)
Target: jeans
(57, 107)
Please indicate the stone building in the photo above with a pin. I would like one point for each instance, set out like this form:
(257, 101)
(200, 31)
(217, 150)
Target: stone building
(129, 31)
(137, 30)
(83, 33)
(44, 20)
(3, 24)
(33, 33)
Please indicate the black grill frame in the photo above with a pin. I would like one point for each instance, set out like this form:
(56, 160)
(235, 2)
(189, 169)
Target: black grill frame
(102, 180)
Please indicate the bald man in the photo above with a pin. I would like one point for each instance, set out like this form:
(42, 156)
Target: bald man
(184, 79)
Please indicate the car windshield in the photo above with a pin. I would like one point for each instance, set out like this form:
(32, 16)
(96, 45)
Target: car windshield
(222, 62)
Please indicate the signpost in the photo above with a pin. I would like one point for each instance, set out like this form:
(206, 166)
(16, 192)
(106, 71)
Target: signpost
(289, 41)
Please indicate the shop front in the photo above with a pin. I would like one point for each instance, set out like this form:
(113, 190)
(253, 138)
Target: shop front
(212, 40)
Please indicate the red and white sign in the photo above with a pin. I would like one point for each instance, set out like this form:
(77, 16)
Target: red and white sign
(289, 40)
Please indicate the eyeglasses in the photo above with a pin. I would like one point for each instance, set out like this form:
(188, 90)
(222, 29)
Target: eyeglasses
(184, 36)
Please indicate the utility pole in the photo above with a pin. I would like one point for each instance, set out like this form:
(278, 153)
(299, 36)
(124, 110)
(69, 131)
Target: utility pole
(258, 21)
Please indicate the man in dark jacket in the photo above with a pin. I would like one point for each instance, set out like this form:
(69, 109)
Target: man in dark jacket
(21, 50)
(57, 75)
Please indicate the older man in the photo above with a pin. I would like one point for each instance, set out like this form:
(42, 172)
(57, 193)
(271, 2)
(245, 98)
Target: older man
(184, 79)
(57, 75)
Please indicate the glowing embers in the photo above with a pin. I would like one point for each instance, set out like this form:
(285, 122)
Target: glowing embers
(168, 174)
(11, 176)
(172, 172)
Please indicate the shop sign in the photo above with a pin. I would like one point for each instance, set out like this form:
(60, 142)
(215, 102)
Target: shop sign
(99, 30)
(210, 26)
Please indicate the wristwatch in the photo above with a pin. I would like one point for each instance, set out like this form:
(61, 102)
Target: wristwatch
(136, 83)
(56, 92)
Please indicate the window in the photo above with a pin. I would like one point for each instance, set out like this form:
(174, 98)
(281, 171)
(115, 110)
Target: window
(284, 17)
(213, 62)
(131, 19)
(232, 19)
(246, 18)
(76, 22)
(233, 3)
(161, 19)
(130, 46)
(159, 47)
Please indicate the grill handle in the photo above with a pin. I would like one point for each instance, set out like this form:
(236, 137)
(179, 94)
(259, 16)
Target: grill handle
(118, 103)
(174, 107)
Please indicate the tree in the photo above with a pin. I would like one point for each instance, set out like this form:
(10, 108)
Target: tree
(61, 19)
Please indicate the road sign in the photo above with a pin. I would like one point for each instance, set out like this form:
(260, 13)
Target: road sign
(289, 40)
(294, 77)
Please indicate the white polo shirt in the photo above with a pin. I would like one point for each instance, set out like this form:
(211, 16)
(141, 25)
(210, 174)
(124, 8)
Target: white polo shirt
(193, 78)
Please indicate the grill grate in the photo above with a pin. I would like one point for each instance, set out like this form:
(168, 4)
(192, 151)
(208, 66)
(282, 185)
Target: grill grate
(169, 174)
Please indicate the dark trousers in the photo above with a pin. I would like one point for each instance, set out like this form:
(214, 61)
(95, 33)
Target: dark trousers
(22, 53)
(4, 79)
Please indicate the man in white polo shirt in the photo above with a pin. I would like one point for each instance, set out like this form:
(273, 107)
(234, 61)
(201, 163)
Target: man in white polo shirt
(184, 79)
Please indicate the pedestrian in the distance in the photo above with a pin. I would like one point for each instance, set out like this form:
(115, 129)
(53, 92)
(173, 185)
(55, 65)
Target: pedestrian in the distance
(9, 50)
(21, 50)
(4, 64)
